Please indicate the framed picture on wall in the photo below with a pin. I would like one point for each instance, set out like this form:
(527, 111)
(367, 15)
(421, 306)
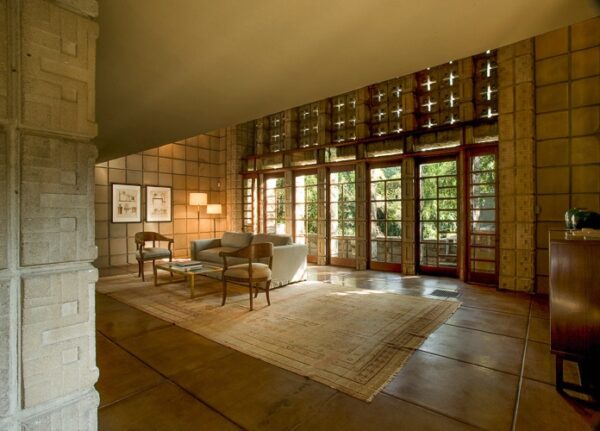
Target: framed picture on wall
(126, 203)
(158, 204)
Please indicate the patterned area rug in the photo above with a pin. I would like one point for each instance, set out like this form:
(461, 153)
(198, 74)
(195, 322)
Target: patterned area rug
(354, 340)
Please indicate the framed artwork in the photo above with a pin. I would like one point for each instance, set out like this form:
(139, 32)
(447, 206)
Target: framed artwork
(158, 203)
(126, 203)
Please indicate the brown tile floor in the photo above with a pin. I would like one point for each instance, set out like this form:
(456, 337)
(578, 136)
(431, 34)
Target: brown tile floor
(488, 367)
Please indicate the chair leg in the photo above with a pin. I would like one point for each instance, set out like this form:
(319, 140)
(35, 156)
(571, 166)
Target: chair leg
(256, 290)
(142, 269)
(139, 268)
(267, 291)
(250, 286)
(224, 292)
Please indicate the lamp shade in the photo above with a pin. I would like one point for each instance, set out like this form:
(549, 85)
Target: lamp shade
(213, 209)
(198, 198)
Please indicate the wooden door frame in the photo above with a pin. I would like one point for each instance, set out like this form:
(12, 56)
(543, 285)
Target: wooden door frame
(480, 277)
(380, 266)
(423, 159)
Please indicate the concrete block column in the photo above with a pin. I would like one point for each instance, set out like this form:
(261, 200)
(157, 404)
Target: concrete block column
(516, 173)
(409, 264)
(322, 222)
(47, 118)
(361, 216)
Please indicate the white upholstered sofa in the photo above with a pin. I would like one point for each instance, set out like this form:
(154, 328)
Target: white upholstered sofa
(289, 260)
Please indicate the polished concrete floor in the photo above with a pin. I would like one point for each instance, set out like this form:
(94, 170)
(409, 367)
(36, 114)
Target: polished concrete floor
(488, 367)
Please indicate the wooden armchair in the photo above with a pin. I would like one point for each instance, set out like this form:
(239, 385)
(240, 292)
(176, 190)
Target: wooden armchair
(144, 253)
(251, 273)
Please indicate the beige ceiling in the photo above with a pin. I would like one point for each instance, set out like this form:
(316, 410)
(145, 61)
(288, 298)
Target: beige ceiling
(170, 69)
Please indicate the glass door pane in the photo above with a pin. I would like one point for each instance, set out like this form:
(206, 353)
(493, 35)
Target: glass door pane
(249, 205)
(275, 205)
(305, 213)
(438, 216)
(386, 218)
(482, 256)
(342, 218)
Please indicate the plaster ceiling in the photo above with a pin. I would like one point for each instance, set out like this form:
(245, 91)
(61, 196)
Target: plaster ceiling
(170, 69)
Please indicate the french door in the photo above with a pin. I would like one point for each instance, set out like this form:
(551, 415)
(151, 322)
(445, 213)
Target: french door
(274, 192)
(482, 256)
(342, 217)
(437, 218)
(385, 218)
(305, 213)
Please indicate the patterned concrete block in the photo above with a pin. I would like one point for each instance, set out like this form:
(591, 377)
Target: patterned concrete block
(3, 198)
(57, 215)
(80, 415)
(58, 69)
(5, 399)
(57, 335)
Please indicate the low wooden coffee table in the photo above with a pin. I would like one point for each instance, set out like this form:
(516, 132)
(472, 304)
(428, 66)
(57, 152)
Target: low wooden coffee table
(188, 272)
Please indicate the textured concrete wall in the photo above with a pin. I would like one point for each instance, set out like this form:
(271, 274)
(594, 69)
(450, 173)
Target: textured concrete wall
(567, 63)
(548, 150)
(193, 165)
(516, 166)
(47, 338)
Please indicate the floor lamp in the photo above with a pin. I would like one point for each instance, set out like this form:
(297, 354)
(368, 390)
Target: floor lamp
(198, 199)
(214, 209)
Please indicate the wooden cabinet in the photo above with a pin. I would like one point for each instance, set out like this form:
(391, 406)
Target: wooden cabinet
(575, 306)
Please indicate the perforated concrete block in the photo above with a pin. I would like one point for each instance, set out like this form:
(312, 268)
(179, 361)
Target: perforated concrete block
(525, 284)
(507, 208)
(58, 79)
(507, 262)
(46, 199)
(524, 123)
(506, 127)
(507, 282)
(58, 343)
(525, 149)
(523, 68)
(506, 150)
(525, 208)
(506, 74)
(508, 235)
(506, 100)
(507, 181)
(525, 236)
